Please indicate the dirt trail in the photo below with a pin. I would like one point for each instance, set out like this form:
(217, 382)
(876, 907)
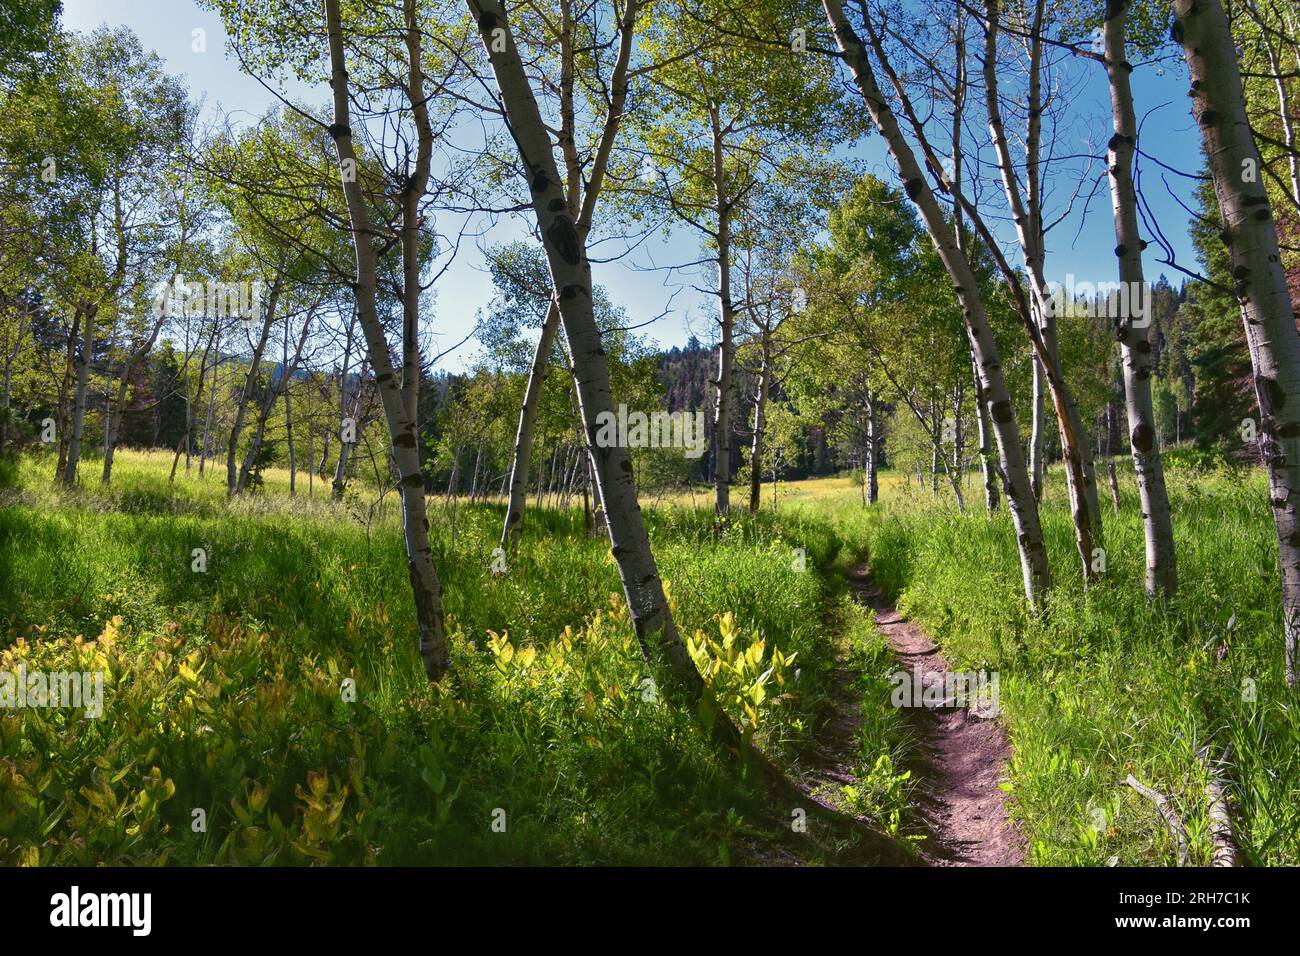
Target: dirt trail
(962, 757)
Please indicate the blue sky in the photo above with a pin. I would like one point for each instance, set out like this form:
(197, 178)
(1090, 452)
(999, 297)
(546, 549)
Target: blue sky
(1082, 244)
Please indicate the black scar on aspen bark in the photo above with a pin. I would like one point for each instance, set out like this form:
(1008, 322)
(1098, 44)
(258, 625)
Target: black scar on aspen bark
(415, 480)
(564, 237)
(404, 440)
(555, 205)
(1120, 250)
(569, 291)
(339, 129)
(913, 188)
(1208, 117)
(1001, 411)
(1273, 392)
(1142, 437)
(626, 465)
(487, 22)
(541, 183)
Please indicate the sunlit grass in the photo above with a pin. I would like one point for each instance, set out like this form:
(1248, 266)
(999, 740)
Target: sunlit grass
(227, 687)
(302, 593)
(1107, 683)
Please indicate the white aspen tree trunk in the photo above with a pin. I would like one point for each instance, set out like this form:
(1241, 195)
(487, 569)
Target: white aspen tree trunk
(84, 358)
(288, 437)
(988, 464)
(1285, 114)
(872, 477)
(549, 490)
(115, 284)
(525, 436)
(557, 474)
(1135, 337)
(113, 420)
(566, 465)
(311, 456)
(473, 475)
(958, 433)
(588, 519)
(288, 410)
(1267, 312)
(107, 414)
(345, 447)
(575, 473)
(760, 422)
(1076, 451)
(65, 385)
(513, 526)
(205, 446)
(339, 483)
(191, 405)
(571, 277)
(1110, 425)
(934, 446)
(1038, 431)
(566, 476)
(1020, 500)
(268, 406)
(426, 589)
(776, 472)
(451, 480)
(233, 480)
(726, 321)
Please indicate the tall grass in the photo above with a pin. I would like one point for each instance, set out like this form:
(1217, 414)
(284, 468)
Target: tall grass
(227, 688)
(276, 696)
(1106, 683)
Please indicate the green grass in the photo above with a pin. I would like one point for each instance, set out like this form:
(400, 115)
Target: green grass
(226, 688)
(1107, 683)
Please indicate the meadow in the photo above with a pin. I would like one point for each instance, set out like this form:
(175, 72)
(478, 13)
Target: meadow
(226, 687)
(270, 708)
